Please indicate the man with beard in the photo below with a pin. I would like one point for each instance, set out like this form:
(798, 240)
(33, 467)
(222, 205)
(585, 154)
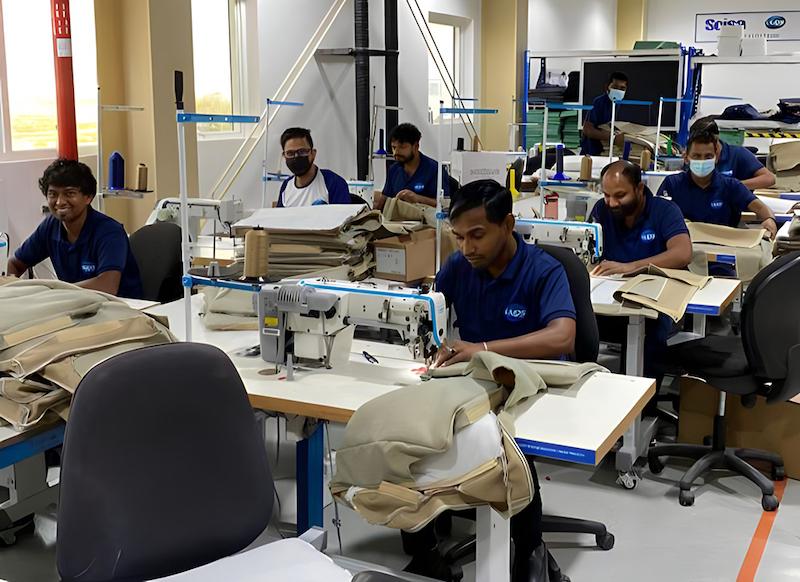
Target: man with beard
(639, 229)
(412, 178)
(310, 185)
(86, 247)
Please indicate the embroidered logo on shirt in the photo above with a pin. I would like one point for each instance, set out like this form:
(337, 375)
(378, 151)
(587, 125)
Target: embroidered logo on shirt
(716, 204)
(87, 268)
(515, 312)
(648, 235)
(418, 187)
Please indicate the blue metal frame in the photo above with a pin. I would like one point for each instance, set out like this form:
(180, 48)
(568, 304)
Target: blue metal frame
(558, 452)
(286, 103)
(194, 281)
(33, 445)
(309, 455)
(206, 118)
(526, 80)
(467, 111)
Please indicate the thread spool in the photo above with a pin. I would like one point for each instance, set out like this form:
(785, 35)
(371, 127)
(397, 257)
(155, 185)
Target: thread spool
(644, 162)
(116, 171)
(256, 253)
(141, 178)
(626, 150)
(460, 144)
(586, 168)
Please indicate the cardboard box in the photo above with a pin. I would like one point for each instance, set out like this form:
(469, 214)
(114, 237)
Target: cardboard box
(406, 258)
(771, 427)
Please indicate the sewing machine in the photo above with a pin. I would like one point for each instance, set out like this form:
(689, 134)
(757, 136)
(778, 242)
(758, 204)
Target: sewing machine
(200, 209)
(584, 238)
(311, 319)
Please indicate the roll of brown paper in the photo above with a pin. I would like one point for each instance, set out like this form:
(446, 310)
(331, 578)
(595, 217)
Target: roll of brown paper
(586, 168)
(141, 178)
(645, 161)
(256, 253)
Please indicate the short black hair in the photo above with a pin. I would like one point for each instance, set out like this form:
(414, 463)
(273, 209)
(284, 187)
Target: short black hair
(405, 133)
(701, 137)
(64, 173)
(705, 124)
(631, 171)
(617, 76)
(496, 199)
(296, 132)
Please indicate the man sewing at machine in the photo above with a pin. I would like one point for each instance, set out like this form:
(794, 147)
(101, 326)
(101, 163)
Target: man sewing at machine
(511, 298)
(639, 229)
(736, 161)
(87, 247)
(705, 195)
(412, 178)
(594, 138)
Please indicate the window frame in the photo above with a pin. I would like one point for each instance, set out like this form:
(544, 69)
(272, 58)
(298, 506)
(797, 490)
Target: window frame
(457, 24)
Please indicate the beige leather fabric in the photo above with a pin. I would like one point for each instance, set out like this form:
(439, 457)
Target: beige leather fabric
(667, 291)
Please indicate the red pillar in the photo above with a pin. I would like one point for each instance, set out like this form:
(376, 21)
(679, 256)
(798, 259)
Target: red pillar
(65, 90)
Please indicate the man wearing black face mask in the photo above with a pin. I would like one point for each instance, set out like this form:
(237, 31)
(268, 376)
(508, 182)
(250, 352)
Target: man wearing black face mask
(639, 229)
(310, 185)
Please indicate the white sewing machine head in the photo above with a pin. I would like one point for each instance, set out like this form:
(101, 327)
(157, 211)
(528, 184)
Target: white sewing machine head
(309, 318)
(584, 238)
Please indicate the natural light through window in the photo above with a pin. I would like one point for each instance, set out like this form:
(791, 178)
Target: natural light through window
(446, 37)
(31, 74)
(211, 39)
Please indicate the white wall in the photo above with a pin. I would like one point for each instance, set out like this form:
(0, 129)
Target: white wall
(760, 85)
(570, 25)
(327, 86)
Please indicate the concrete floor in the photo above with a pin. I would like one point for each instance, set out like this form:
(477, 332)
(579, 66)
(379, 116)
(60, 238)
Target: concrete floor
(656, 538)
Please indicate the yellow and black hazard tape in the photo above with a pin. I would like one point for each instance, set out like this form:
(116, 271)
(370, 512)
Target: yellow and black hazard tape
(773, 134)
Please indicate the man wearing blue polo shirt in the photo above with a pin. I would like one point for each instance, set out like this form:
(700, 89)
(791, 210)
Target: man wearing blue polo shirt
(412, 177)
(87, 247)
(736, 161)
(513, 299)
(594, 138)
(705, 195)
(638, 230)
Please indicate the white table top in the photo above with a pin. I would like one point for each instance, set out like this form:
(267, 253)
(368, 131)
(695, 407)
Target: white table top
(579, 425)
(712, 299)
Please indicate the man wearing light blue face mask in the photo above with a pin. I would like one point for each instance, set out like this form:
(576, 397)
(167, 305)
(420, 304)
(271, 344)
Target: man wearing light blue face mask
(705, 195)
(594, 138)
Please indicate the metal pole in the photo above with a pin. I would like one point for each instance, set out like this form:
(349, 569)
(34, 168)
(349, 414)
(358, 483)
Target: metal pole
(658, 133)
(542, 172)
(266, 159)
(439, 191)
(611, 139)
(184, 192)
(100, 201)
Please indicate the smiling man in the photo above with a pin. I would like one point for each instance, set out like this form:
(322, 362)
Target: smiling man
(511, 298)
(87, 247)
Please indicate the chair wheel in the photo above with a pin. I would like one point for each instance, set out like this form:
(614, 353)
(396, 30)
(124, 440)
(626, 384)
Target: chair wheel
(778, 473)
(686, 498)
(655, 465)
(769, 502)
(605, 542)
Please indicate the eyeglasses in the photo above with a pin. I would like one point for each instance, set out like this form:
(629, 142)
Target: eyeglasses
(302, 153)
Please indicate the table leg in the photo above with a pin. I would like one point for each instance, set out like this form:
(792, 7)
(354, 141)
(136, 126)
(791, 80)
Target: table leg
(492, 552)
(310, 457)
(699, 325)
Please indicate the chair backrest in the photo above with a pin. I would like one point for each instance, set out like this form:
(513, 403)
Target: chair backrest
(157, 248)
(163, 467)
(587, 337)
(771, 325)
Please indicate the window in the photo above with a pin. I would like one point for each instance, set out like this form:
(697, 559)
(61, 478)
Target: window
(217, 27)
(27, 74)
(447, 38)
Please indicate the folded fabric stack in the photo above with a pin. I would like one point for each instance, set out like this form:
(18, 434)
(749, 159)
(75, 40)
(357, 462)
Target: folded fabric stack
(51, 334)
(309, 239)
(788, 239)
(749, 246)
(641, 137)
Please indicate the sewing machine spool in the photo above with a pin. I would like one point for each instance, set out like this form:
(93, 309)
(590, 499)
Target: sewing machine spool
(256, 253)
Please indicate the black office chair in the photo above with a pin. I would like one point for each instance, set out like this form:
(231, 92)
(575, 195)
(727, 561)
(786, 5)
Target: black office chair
(587, 347)
(157, 249)
(163, 467)
(763, 361)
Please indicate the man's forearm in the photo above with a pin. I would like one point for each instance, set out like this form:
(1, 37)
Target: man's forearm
(426, 201)
(107, 282)
(551, 342)
(763, 179)
(16, 267)
(669, 259)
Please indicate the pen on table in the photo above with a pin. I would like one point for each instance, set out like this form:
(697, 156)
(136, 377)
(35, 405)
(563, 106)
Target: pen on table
(369, 357)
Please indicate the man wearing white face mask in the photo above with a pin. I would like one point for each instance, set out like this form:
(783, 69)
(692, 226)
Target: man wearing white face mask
(705, 195)
(594, 138)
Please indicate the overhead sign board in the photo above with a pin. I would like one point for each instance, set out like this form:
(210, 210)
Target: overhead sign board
(777, 25)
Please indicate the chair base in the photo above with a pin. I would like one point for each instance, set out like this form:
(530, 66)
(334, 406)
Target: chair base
(559, 524)
(708, 458)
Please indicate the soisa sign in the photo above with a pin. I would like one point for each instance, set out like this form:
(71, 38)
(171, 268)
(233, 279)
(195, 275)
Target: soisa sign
(779, 25)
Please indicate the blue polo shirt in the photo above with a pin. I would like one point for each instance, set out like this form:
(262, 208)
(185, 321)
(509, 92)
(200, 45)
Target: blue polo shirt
(721, 202)
(423, 181)
(598, 115)
(737, 162)
(659, 222)
(102, 246)
(530, 293)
